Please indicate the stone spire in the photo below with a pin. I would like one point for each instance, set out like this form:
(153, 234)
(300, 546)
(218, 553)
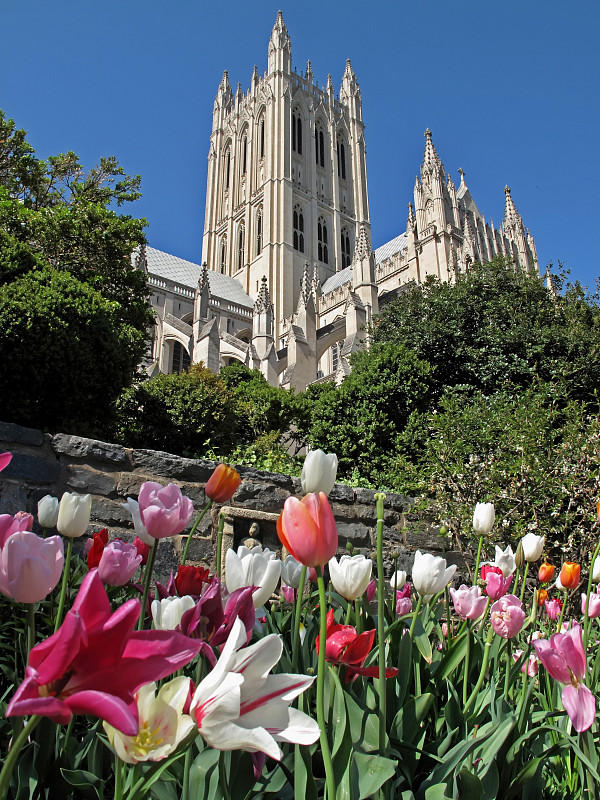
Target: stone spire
(309, 72)
(202, 294)
(330, 88)
(224, 93)
(263, 302)
(431, 158)
(362, 248)
(254, 79)
(510, 212)
(461, 172)
(412, 220)
(280, 47)
(306, 286)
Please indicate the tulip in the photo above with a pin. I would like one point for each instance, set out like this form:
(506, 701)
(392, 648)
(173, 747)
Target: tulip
(118, 563)
(96, 548)
(222, 484)
(405, 591)
(505, 560)
(190, 580)
(9, 525)
(134, 509)
(307, 529)
(468, 602)
(162, 723)
(486, 569)
(291, 570)
(398, 580)
(30, 567)
(240, 706)
(319, 472)
(403, 605)
(95, 662)
(497, 585)
(596, 570)
(351, 575)
(594, 605)
(553, 609)
(167, 613)
(563, 656)
(47, 511)
(430, 574)
(288, 593)
(507, 616)
(142, 548)
(483, 518)
(5, 459)
(252, 567)
(542, 596)
(164, 511)
(74, 514)
(532, 546)
(371, 591)
(545, 573)
(531, 665)
(344, 646)
(570, 575)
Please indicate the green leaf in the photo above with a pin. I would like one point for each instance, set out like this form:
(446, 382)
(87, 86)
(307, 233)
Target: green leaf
(451, 658)
(406, 726)
(204, 776)
(468, 786)
(87, 783)
(369, 773)
(422, 641)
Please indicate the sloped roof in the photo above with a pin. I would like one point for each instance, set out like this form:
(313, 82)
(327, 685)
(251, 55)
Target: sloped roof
(336, 280)
(388, 249)
(186, 273)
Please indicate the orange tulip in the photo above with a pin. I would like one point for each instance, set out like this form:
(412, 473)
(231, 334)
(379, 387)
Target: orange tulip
(570, 574)
(542, 596)
(545, 573)
(222, 484)
(307, 529)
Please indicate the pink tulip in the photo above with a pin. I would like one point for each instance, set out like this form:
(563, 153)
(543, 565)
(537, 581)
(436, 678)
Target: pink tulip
(9, 525)
(594, 605)
(30, 567)
(507, 616)
(468, 602)
(553, 608)
(164, 511)
(531, 665)
(288, 593)
(564, 658)
(5, 459)
(497, 585)
(403, 606)
(95, 662)
(371, 591)
(307, 529)
(405, 591)
(118, 562)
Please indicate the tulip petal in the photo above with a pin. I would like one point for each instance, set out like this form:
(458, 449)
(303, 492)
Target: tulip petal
(580, 705)
(106, 706)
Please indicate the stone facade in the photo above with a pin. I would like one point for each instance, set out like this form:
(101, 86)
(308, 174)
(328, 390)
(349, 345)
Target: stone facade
(289, 279)
(44, 464)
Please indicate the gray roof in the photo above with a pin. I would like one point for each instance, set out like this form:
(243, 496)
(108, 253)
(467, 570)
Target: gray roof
(390, 248)
(336, 280)
(186, 273)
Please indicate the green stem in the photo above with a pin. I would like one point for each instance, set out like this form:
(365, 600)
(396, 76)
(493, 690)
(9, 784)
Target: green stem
(30, 626)
(13, 754)
(220, 542)
(466, 666)
(147, 582)
(484, 664)
(379, 498)
(586, 621)
(68, 735)
(477, 559)
(63, 588)
(193, 531)
(415, 615)
(524, 580)
(223, 777)
(562, 612)
(298, 619)
(325, 751)
(358, 616)
(118, 779)
(508, 665)
(448, 620)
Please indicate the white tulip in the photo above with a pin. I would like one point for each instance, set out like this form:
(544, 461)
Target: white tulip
(483, 518)
(319, 472)
(430, 574)
(291, 571)
(398, 580)
(351, 576)
(596, 570)
(47, 511)
(167, 613)
(532, 546)
(505, 560)
(252, 567)
(74, 514)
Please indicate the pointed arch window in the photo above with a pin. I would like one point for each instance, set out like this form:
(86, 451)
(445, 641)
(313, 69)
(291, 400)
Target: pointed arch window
(341, 159)
(241, 245)
(180, 360)
(259, 232)
(244, 154)
(319, 147)
(262, 137)
(223, 254)
(322, 241)
(298, 229)
(297, 133)
(345, 249)
(227, 168)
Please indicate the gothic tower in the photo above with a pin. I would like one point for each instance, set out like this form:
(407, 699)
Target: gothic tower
(287, 181)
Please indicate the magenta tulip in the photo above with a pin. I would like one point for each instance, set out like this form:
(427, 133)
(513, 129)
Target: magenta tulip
(30, 567)
(164, 511)
(403, 606)
(564, 658)
(95, 662)
(507, 616)
(594, 605)
(5, 459)
(468, 602)
(118, 562)
(553, 608)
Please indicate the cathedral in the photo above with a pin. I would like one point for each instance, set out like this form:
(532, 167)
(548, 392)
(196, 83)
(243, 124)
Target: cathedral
(289, 281)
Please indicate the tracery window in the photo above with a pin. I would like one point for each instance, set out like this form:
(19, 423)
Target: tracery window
(345, 249)
(262, 137)
(341, 158)
(319, 146)
(244, 154)
(322, 243)
(297, 133)
(180, 360)
(241, 244)
(223, 260)
(227, 168)
(298, 229)
(259, 231)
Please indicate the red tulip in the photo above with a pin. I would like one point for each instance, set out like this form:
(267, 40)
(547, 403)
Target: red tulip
(143, 549)
(189, 580)
(307, 529)
(95, 662)
(99, 542)
(345, 646)
(222, 484)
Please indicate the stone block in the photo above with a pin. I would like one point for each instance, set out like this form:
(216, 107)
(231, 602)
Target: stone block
(167, 465)
(129, 483)
(261, 496)
(80, 447)
(358, 535)
(21, 435)
(341, 493)
(15, 497)
(249, 474)
(32, 469)
(109, 513)
(87, 480)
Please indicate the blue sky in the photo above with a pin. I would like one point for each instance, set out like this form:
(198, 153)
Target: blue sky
(509, 89)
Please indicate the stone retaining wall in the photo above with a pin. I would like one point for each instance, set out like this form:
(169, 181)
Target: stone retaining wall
(45, 464)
